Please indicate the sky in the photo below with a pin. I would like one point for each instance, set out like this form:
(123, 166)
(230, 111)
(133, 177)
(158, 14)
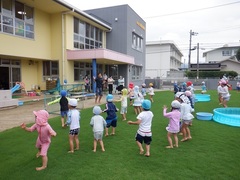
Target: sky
(217, 22)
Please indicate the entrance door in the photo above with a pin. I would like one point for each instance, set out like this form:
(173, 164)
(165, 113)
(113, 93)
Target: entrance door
(4, 78)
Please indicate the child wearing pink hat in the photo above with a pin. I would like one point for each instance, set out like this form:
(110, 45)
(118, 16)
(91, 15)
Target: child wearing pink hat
(45, 132)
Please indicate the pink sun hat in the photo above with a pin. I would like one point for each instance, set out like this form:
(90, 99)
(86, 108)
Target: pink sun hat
(41, 117)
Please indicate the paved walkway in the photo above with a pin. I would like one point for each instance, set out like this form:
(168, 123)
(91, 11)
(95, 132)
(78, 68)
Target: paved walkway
(13, 117)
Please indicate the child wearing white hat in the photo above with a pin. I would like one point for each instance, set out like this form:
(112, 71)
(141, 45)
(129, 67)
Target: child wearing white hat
(73, 122)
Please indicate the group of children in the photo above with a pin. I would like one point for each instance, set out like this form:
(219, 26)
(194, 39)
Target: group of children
(98, 123)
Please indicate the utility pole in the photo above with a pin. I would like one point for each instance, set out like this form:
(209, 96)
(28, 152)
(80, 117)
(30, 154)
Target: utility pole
(190, 44)
(197, 60)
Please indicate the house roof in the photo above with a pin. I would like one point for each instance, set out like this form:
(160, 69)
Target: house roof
(224, 47)
(61, 6)
(165, 42)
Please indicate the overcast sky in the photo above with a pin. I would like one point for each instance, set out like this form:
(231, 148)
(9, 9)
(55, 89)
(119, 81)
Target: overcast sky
(217, 22)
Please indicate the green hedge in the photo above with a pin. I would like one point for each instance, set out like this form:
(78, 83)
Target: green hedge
(212, 74)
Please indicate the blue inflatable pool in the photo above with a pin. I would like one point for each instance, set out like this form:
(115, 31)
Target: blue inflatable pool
(228, 116)
(202, 97)
(204, 116)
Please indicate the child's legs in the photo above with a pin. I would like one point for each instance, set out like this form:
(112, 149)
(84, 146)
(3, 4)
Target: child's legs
(139, 141)
(188, 132)
(101, 144)
(136, 110)
(184, 131)
(44, 163)
(147, 150)
(62, 119)
(124, 116)
(76, 141)
(169, 139)
(94, 145)
(139, 110)
(71, 137)
(147, 141)
(175, 139)
(114, 125)
(106, 131)
(140, 146)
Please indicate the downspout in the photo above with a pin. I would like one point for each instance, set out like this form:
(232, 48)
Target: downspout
(63, 44)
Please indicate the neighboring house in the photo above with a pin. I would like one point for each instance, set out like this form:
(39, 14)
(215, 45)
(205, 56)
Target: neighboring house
(51, 39)
(220, 59)
(220, 54)
(162, 58)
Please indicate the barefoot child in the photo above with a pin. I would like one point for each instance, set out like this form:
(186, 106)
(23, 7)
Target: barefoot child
(151, 91)
(98, 124)
(174, 122)
(130, 92)
(186, 116)
(45, 132)
(73, 122)
(137, 100)
(123, 100)
(63, 106)
(111, 118)
(144, 133)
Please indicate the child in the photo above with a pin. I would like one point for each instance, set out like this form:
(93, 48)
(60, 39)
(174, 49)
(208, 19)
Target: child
(186, 116)
(219, 90)
(123, 100)
(45, 132)
(74, 122)
(144, 133)
(111, 118)
(143, 90)
(175, 88)
(174, 122)
(151, 91)
(63, 106)
(224, 93)
(98, 123)
(63, 101)
(204, 88)
(130, 92)
(138, 98)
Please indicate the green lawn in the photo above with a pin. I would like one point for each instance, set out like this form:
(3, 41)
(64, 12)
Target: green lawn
(213, 153)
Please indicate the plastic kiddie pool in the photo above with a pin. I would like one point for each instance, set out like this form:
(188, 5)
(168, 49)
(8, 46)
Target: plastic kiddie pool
(228, 116)
(204, 116)
(202, 97)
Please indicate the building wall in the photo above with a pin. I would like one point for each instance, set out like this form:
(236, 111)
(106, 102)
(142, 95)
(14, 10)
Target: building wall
(123, 21)
(231, 66)
(39, 47)
(216, 55)
(162, 57)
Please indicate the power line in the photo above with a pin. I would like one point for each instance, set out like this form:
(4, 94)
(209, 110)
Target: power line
(183, 12)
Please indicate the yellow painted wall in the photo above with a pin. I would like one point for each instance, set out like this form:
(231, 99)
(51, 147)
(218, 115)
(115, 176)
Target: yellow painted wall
(40, 47)
(29, 74)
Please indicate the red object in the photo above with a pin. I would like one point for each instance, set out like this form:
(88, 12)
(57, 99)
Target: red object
(31, 94)
(189, 83)
(131, 85)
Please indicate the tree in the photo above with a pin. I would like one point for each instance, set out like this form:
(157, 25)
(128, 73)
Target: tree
(238, 54)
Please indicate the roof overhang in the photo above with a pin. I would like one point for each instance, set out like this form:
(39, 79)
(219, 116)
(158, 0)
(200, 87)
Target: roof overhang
(103, 56)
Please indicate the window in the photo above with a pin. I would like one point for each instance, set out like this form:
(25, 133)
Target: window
(136, 72)
(226, 53)
(86, 36)
(50, 69)
(16, 18)
(137, 42)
